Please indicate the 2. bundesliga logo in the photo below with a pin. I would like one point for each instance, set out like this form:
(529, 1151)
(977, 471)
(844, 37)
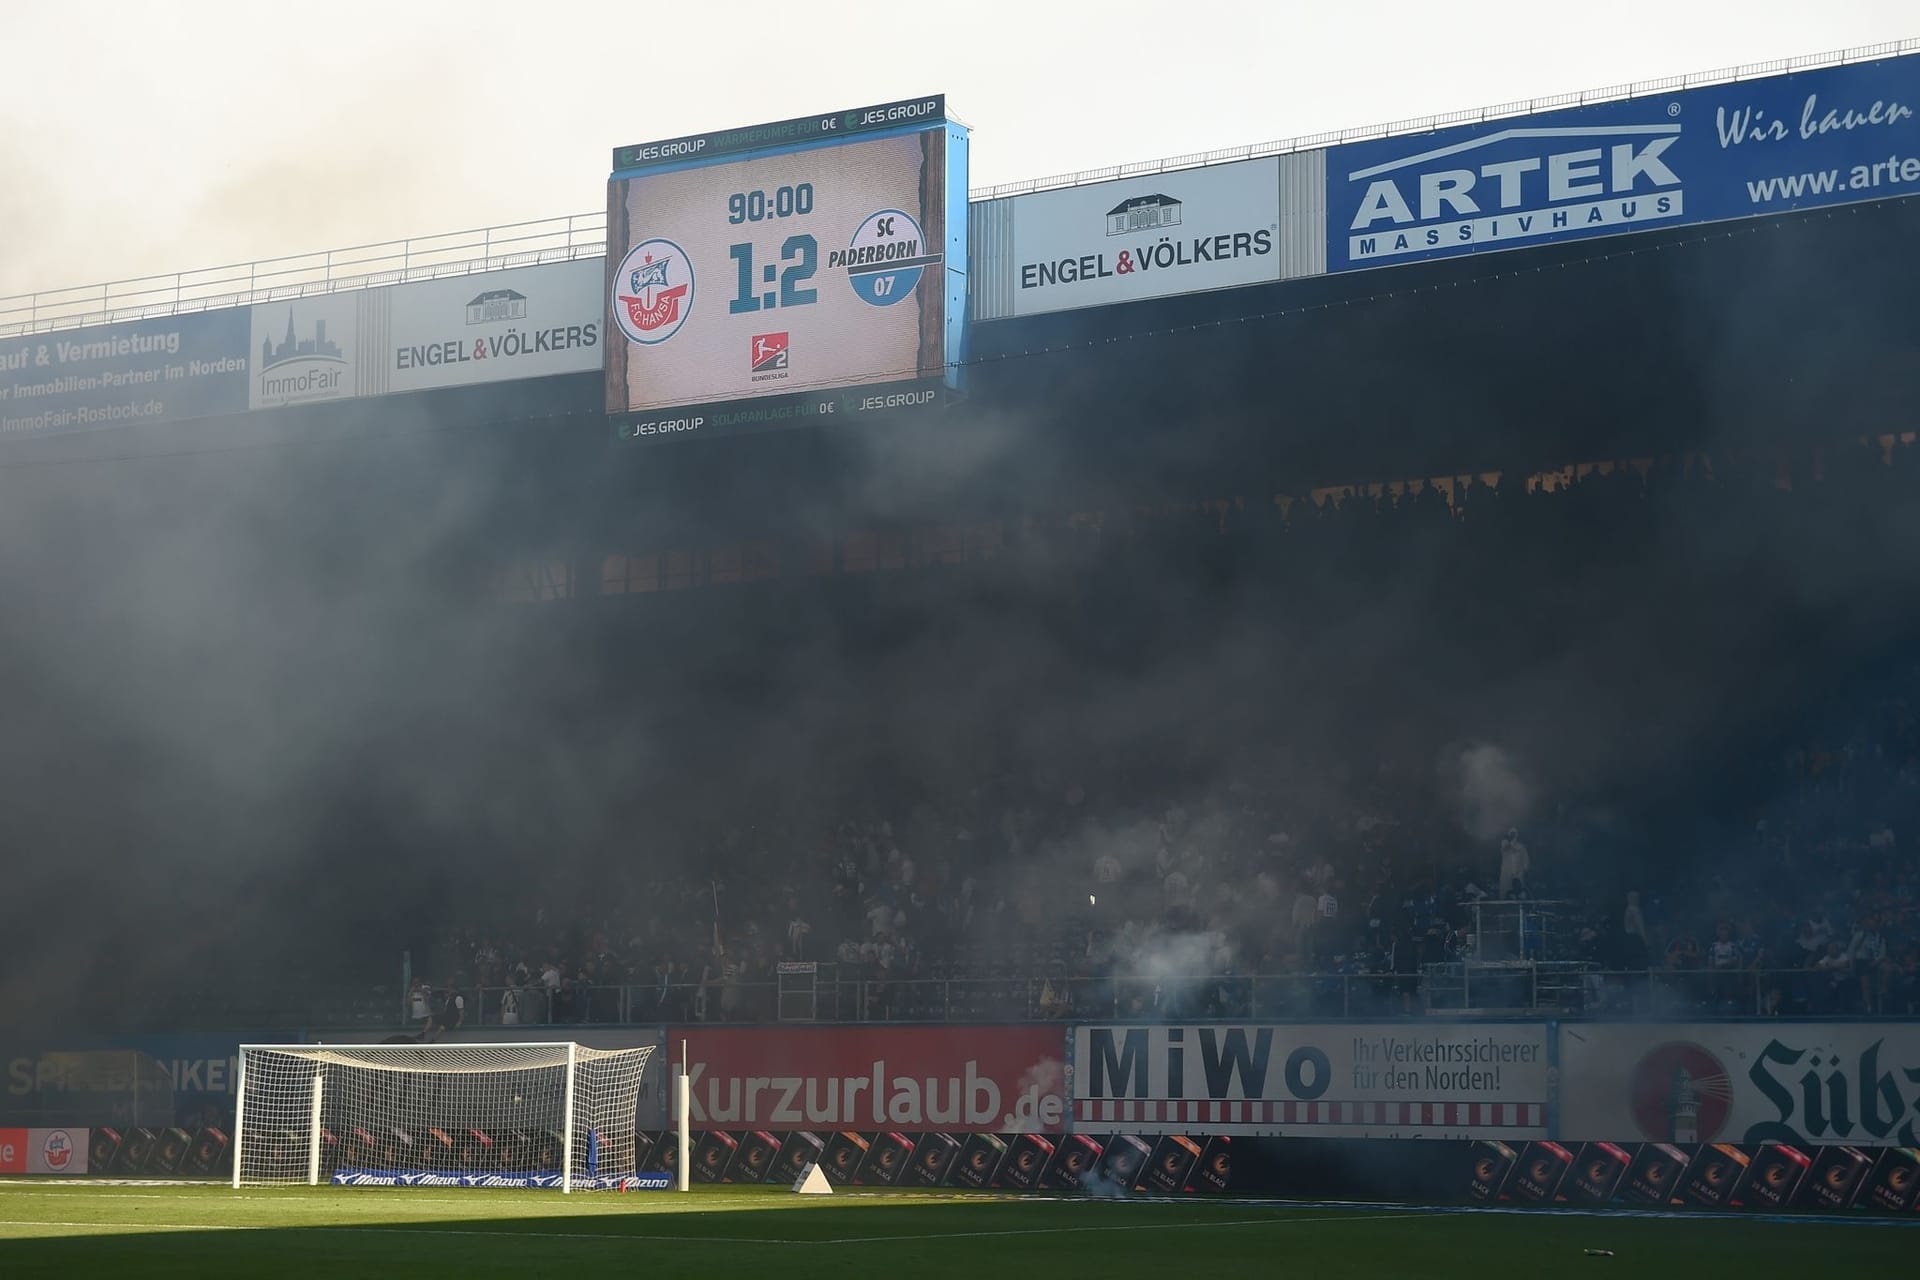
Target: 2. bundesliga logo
(770, 352)
(655, 302)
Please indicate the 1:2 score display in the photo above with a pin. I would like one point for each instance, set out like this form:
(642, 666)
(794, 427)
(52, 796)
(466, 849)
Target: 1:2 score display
(799, 251)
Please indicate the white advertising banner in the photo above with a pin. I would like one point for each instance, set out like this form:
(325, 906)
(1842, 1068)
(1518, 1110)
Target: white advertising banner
(1147, 237)
(308, 350)
(1856, 1083)
(527, 322)
(1332, 1081)
(55, 1151)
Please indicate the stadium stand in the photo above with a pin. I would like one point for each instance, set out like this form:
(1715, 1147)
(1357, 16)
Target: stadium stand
(1112, 886)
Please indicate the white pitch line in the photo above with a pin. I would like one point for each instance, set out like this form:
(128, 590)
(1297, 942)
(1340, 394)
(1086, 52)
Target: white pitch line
(68, 1195)
(625, 1237)
(122, 1226)
(631, 1237)
(642, 1237)
(1276, 1220)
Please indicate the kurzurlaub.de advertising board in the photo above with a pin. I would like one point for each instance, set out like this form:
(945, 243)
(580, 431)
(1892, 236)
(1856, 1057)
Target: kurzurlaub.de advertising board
(955, 1079)
(1151, 237)
(1816, 138)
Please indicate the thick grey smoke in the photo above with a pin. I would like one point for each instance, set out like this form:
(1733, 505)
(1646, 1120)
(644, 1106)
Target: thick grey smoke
(1491, 794)
(269, 717)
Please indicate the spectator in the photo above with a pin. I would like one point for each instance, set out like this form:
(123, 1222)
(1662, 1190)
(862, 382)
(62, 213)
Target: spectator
(1636, 947)
(420, 1001)
(1514, 864)
(448, 1015)
(1868, 951)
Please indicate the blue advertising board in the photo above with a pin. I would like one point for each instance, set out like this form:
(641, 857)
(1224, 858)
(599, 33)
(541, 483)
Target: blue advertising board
(124, 375)
(1832, 136)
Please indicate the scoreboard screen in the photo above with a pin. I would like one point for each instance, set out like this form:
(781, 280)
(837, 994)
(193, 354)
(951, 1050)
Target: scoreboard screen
(786, 273)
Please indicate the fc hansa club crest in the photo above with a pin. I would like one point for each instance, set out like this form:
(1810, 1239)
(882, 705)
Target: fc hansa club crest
(653, 291)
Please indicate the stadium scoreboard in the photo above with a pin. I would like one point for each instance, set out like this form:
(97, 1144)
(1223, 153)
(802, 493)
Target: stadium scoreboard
(804, 270)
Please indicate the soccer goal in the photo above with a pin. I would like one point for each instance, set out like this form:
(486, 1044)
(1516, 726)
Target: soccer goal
(445, 1115)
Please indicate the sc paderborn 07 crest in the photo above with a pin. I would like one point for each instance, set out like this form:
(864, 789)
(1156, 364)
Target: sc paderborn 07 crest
(885, 258)
(653, 291)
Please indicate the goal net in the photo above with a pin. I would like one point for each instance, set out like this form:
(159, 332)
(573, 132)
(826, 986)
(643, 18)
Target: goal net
(465, 1115)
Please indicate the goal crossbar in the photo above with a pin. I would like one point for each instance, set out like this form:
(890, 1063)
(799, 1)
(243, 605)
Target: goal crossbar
(542, 1113)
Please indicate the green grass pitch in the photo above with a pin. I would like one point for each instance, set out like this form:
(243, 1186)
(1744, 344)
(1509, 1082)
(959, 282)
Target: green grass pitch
(73, 1229)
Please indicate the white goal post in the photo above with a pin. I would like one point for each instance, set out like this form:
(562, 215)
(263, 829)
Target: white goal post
(481, 1115)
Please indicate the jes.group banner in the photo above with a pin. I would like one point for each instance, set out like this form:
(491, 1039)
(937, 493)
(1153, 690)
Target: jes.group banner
(1741, 150)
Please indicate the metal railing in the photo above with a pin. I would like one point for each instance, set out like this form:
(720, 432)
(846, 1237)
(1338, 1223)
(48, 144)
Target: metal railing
(583, 235)
(1473, 115)
(366, 266)
(1549, 990)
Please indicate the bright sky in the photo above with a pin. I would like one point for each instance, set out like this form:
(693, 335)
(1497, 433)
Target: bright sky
(151, 136)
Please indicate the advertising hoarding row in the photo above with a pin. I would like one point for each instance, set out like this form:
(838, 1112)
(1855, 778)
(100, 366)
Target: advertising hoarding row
(1805, 140)
(525, 322)
(1799, 141)
(834, 253)
(1770, 1176)
(1751, 1082)
(1806, 1083)
(48, 1151)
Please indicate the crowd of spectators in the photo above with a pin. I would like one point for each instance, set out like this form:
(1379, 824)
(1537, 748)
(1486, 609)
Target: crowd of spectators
(1779, 879)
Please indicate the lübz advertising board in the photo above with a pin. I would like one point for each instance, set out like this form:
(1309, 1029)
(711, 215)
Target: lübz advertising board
(1802, 1083)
